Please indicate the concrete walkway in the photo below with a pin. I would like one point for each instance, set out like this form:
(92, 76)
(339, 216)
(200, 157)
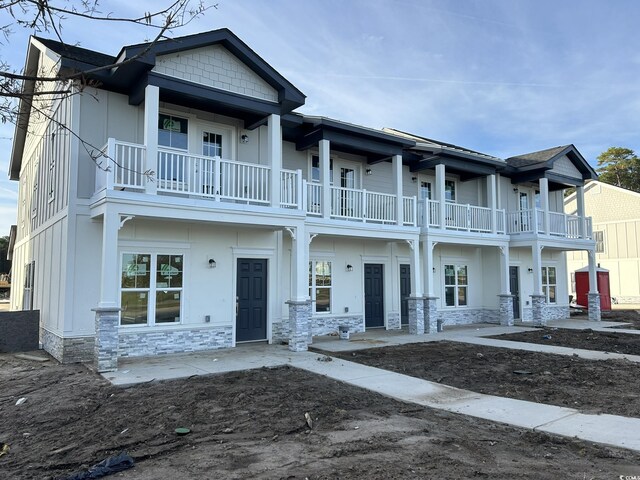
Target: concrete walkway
(606, 429)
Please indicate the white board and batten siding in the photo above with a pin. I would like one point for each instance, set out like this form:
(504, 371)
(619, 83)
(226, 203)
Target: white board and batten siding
(215, 66)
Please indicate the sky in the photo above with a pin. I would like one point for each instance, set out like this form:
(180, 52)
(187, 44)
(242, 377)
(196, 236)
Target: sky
(503, 77)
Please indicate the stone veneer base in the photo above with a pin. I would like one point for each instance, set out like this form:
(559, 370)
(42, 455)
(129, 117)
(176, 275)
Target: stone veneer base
(321, 325)
(161, 342)
(69, 349)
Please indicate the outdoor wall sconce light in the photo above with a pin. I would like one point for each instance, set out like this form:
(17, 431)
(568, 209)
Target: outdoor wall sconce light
(244, 138)
(515, 189)
(530, 270)
(414, 179)
(212, 263)
(349, 267)
(368, 171)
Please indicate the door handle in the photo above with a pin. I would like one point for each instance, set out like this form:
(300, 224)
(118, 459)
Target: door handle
(237, 304)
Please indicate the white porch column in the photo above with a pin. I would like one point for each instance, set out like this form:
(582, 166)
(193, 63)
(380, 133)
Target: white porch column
(544, 203)
(580, 211)
(505, 287)
(536, 252)
(493, 199)
(325, 176)
(151, 113)
(109, 261)
(397, 188)
(416, 268)
(107, 312)
(300, 329)
(593, 296)
(428, 267)
(440, 194)
(538, 300)
(299, 264)
(274, 148)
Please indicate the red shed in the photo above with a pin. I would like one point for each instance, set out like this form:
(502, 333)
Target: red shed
(582, 287)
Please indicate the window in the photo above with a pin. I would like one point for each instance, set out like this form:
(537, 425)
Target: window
(315, 169)
(151, 289)
(598, 236)
(549, 284)
(320, 285)
(456, 284)
(211, 144)
(27, 293)
(172, 131)
(450, 190)
(425, 191)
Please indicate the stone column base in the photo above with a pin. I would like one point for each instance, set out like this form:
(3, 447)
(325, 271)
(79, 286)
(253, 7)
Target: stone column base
(505, 312)
(300, 325)
(537, 309)
(431, 315)
(106, 341)
(416, 315)
(594, 311)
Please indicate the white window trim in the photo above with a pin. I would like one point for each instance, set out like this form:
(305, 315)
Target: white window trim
(151, 306)
(603, 242)
(456, 264)
(312, 287)
(555, 267)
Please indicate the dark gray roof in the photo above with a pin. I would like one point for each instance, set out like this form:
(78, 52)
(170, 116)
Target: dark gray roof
(77, 53)
(437, 143)
(533, 158)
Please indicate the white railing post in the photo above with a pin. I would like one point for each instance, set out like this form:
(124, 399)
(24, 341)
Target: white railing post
(534, 220)
(112, 163)
(300, 185)
(469, 219)
(217, 165)
(415, 211)
(304, 194)
(364, 206)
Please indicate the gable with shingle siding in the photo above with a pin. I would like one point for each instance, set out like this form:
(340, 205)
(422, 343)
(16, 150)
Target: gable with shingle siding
(564, 166)
(215, 66)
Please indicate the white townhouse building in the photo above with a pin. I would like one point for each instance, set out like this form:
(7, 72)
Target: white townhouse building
(178, 202)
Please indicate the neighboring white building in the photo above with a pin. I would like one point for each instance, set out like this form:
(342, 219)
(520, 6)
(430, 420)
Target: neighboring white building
(257, 223)
(616, 229)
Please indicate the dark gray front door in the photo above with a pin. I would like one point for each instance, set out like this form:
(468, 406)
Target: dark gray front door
(405, 291)
(251, 300)
(514, 286)
(373, 295)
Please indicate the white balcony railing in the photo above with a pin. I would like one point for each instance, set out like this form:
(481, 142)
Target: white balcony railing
(181, 173)
(290, 188)
(409, 211)
(559, 224)
(313, 199)
(461, 217)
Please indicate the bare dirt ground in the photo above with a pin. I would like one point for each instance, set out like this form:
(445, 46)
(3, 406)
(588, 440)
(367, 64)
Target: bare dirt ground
(586, 339)
(591, 386)
(252, 425)
(630, 316)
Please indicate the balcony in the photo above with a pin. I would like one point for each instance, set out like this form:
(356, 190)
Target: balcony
(461, 217)
(359, 205)
(220, 180)
(560, 225)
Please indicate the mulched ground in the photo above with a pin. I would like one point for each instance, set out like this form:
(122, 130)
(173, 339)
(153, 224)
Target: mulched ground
(631, 317)
(252, 425)
(591, 386)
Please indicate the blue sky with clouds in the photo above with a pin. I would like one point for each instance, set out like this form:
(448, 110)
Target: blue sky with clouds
(501, 76)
